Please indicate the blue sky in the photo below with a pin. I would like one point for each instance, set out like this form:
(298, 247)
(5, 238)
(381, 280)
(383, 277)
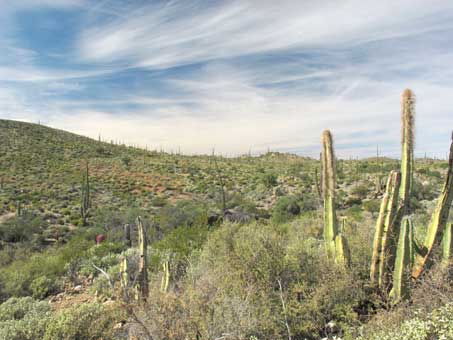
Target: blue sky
(231, 75)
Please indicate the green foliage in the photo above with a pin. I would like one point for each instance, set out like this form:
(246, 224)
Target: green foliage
(269, 179)
(183, 213)
(22, 228)
(285, 209)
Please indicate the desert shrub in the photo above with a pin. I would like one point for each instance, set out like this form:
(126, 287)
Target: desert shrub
(372, 206)
(235, 285)
(436, 325)
(23, 319)
(285, 209)
(86, 321)
(21, 228)
(268, 179)
(360, 190)
(183, 213)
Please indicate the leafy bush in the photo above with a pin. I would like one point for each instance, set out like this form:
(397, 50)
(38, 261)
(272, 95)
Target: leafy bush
(285, 209)
(21, 228)
(183, 213)
(436, 325)
(23, 319)
(269, 179)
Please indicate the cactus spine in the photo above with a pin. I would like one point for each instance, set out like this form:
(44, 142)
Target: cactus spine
(407, 154)
(438, 221)
(384, 226)
(447, 245)
(336, 243)
(86, 203)
(143, 261)
(403, 262)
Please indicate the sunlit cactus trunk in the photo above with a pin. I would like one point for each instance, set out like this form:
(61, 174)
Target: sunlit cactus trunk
(407, 144)
(386, 217)
(328, 190)
(438, 222)
(165, 276)
(447, 245)
(336, 244)
(124, 278)
(143, 285)
(403, 262)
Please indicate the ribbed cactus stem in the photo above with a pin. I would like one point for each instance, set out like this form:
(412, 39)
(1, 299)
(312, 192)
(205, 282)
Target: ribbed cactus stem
(389, 232)
(342, 252)
(447, 245)
(438, 222)
(328, 190)
(165, 276)
(127, 235)
(390, 193)
(143, 261)
(407, 144)
(124, 277)
(403, 263)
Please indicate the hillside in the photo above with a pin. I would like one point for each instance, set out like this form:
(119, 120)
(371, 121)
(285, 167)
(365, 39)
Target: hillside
(257, 219)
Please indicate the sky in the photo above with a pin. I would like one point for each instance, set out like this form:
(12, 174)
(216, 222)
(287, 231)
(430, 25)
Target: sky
(236, 76)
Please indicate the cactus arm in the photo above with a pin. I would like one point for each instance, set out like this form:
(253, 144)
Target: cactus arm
(388, 247)
(401, 273)
(342, 252)
(438, 221)
(165, 276)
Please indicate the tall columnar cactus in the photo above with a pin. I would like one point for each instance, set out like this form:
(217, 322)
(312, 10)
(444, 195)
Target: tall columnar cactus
(18, 209)
(328, 191)
(403, 262)
(85, 202)
(384, 226)
(407, 154)
(336, 244)
(143, 261)
(447, 245)
(438, 222)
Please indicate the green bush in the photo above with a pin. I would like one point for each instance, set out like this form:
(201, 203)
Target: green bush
(285, 209)
(22, 228)
(23, 319)
(269, 179)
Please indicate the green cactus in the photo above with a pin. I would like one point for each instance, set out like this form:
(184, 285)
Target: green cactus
(124, 277)
(438, 222)
(386, 217)
(403, 263)
(86, 203)
(447, 245)
(127, 235)
(143, 261)
(407, 153)
(328, 190)
(336, 244)
(165, 276)
(18, 209)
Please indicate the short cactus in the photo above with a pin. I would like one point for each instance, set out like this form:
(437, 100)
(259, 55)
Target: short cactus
(85, 203)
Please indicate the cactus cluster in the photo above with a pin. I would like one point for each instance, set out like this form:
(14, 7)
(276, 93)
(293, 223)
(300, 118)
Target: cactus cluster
(336, 243)
(396, 256)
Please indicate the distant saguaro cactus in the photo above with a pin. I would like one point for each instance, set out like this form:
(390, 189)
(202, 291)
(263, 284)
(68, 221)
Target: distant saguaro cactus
(438, 221)
(143, 285)
(85, 202)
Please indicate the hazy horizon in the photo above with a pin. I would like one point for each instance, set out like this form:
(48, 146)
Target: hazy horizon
(233, 75)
